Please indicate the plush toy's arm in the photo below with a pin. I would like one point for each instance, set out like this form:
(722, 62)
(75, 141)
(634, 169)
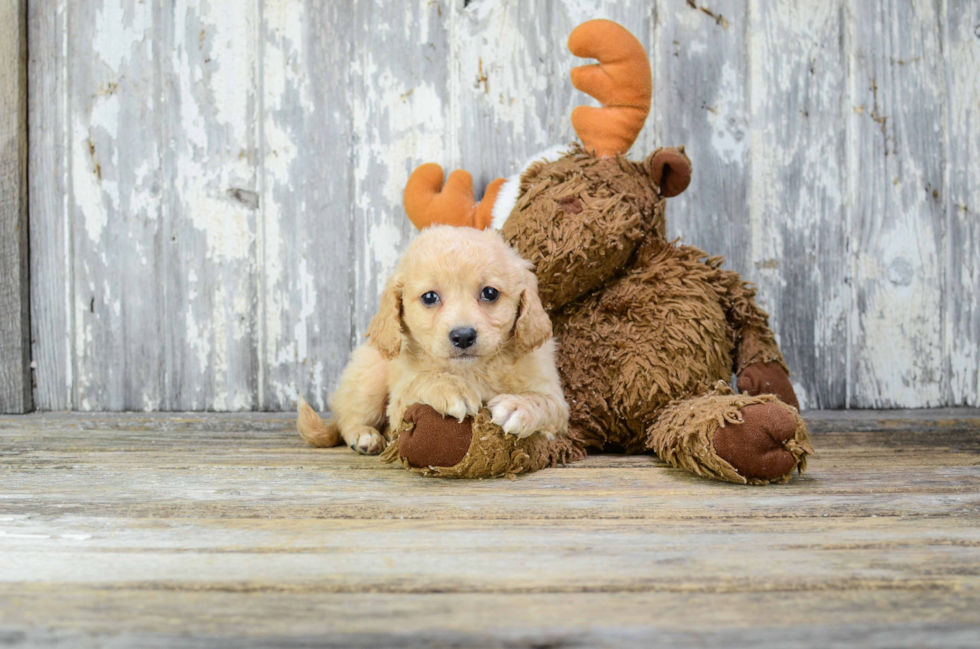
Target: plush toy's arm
(758, 363)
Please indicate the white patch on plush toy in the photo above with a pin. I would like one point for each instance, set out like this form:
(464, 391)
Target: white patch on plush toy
(506, 199)
(510, 190)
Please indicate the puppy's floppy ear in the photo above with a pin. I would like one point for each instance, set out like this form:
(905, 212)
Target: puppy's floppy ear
(385, 330)
(533, 326)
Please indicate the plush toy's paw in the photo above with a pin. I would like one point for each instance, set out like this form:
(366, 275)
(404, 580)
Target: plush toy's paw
(366, 441)
(509, 411)
(732, 437)
(767, 378)
(763, 447)
(432, 439)
(429, 443)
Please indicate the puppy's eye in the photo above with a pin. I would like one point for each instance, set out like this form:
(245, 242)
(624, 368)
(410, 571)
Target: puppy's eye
(489, 294)
(431, 298)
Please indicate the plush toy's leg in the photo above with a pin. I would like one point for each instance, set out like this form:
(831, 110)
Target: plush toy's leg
(431, 444)
(733, 437)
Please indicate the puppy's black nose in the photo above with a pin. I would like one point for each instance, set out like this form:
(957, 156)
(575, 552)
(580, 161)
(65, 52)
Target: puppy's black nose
(463, 337)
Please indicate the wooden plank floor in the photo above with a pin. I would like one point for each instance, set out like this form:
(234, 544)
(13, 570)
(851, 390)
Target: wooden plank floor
(225, 531)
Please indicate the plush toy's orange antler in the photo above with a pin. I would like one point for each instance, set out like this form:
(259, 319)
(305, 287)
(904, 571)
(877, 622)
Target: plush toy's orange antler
(621, 81)
(427, 202)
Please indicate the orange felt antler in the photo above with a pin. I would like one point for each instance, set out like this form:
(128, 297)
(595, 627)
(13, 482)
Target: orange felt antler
(427, 202)
(621, 81)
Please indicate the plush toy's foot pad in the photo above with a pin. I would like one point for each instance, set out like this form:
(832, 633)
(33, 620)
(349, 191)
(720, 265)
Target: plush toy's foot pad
(433, 440)
(732, 437)
(756, 448)
(433, 445)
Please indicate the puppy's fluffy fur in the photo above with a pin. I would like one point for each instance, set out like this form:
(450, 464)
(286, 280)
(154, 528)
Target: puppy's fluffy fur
(410, 357)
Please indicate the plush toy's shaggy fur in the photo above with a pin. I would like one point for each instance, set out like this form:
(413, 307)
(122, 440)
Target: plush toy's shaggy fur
(640, 321)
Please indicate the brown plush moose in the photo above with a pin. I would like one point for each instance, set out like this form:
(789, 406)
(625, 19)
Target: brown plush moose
(649, 332)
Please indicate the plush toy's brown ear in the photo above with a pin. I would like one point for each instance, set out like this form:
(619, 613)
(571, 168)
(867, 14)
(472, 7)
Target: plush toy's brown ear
(385, 330)
(533, 326)
(670, 170)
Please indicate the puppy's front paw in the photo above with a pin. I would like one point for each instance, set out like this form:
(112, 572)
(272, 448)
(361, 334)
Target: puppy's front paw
(365, 440)
(511, 413)
(456, 403)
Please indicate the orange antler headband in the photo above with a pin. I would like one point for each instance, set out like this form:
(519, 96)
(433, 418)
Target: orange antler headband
(621, 81)
(427, 202)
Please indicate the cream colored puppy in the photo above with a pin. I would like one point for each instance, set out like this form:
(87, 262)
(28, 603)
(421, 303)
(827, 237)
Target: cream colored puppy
(460, 325)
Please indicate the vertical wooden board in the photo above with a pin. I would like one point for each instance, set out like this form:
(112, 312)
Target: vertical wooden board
(701, 96)
(962, 327)
(798, 242)
(114, 195)
(50, 228)
(402, 117)
(305, 230)
(208, 51)
(15, 348)
(897, 89)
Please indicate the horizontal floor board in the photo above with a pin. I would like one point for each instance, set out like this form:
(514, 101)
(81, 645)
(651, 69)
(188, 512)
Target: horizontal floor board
(883, 618)
(482, 556)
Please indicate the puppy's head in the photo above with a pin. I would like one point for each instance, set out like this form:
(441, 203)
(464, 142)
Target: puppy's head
(460, 294)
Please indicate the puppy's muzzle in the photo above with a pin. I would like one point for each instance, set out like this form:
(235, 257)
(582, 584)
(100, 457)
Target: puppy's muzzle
(463, 337)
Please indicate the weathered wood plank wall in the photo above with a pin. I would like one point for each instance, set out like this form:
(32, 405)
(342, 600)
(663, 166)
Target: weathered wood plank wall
(15, 345)
(215, 186)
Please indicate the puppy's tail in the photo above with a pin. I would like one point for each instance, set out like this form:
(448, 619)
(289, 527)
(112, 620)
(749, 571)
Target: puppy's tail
(313, 429)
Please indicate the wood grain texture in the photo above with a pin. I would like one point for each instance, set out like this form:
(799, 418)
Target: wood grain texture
(15, 336)
(52, 329)
(201, 530)
(897, 187)
(114, 150)
(879, 619)
(306, 239)
(207, 243)
(217, 186)
(798, 160)
(962, 294)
